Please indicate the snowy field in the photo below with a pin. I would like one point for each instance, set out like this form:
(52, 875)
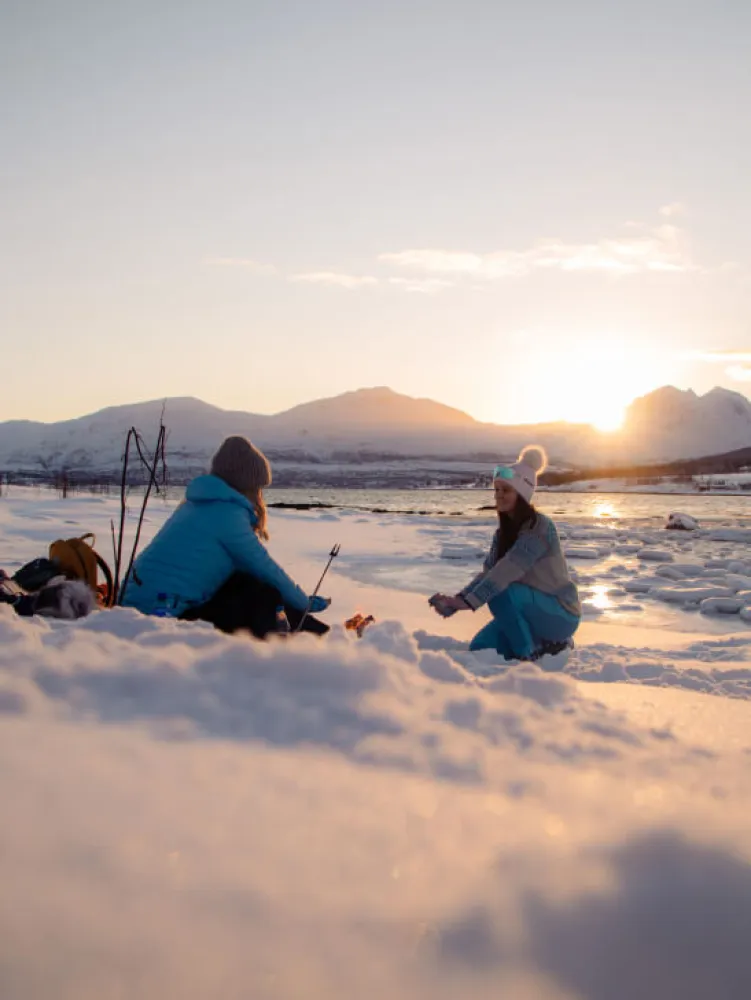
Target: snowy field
(190, 816)
(734, 483)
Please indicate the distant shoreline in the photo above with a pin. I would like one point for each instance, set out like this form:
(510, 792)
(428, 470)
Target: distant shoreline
(300, 503)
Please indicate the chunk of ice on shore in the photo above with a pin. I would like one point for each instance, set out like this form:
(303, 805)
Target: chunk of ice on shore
(655, 555)
(582, 552)
(681, 522)
(690, 595)
(720, 606)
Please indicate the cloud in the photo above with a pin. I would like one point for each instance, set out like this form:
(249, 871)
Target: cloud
(247, 263)
(738, 362)
(335, 279)
(662, 248)
(740, 373)
(638, 249)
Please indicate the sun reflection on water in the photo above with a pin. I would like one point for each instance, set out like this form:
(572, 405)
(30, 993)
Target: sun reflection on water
(600, 597)
(606, 509)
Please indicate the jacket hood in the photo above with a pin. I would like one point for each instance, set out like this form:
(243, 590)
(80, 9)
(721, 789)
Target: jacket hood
(212, 489)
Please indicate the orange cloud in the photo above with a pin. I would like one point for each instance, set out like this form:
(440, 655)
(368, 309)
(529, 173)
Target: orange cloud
(661, 248)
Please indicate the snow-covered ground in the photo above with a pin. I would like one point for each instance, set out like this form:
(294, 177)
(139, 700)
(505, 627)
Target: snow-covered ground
(735, 483)
(189, 815)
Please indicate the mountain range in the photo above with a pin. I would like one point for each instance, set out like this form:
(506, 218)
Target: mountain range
(378, 423)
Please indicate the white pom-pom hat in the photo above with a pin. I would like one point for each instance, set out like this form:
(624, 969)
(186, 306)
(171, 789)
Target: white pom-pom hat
(522, 475)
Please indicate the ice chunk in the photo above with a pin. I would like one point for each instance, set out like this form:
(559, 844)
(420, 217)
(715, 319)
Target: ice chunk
(592, 534)
(655, 555)
(689, 595)
(730, 535)
(681, 522)
(582, 552)
(670, 572)
(642, 585)
(689, 569)
(720, 606)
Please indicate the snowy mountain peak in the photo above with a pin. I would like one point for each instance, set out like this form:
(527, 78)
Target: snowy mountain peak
(678, 423)
(374, 407)
(667, 424)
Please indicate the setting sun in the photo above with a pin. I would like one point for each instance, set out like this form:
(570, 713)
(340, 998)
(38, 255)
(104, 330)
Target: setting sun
(592, 382)
(609, 418)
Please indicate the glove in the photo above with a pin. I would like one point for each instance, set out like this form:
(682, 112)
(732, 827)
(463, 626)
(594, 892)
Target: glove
(439, 603)
(317, 604)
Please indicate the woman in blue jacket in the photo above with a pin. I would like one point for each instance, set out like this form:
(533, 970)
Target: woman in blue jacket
(208, 561)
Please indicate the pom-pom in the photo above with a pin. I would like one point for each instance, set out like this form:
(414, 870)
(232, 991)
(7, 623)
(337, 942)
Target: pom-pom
(535, 457)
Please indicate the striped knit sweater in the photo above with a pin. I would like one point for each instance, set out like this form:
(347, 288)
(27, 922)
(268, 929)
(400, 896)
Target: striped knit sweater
(535, 559)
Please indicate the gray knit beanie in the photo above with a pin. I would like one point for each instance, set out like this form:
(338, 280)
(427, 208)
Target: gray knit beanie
(241, 465)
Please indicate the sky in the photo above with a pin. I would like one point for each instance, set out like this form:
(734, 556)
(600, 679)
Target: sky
(531, 211)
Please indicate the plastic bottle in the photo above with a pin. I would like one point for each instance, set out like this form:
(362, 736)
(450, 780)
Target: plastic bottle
(161, 610)
(282, 623)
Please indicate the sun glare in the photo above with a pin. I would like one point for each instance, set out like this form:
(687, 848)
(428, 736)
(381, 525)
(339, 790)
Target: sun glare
(592, 382)
(605, 510)
(609, 419)
(614, 377)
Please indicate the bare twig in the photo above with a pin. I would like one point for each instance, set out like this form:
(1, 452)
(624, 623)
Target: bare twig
(123, 490)
(153, 472)
(114, 544)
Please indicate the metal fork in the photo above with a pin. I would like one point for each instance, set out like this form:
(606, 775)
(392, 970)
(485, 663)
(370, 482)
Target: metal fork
(332, 556)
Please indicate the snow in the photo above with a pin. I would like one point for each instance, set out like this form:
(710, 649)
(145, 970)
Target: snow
(731, 484)
(681, 522)
(720, 606)
(731, 535)
(191, 815)
(582, 552)
(355, 426)
(690, 594)
(655, 555)
(464, 553)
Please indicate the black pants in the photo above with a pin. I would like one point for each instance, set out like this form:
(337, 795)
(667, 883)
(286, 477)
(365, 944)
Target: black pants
(244, 603)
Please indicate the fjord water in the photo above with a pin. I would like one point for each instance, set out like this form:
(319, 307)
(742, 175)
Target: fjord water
(623, 508)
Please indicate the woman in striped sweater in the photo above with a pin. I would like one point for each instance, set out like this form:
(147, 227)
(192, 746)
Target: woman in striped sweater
(524, 580)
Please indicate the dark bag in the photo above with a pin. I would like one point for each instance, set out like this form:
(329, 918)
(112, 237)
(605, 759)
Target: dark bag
(36, 574)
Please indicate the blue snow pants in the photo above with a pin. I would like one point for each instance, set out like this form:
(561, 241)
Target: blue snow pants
(523, 619)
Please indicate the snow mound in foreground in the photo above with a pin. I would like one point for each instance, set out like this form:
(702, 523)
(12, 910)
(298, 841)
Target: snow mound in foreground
(189, 815)
(382, 700)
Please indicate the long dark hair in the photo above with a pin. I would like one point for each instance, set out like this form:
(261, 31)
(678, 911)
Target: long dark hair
(524, 515)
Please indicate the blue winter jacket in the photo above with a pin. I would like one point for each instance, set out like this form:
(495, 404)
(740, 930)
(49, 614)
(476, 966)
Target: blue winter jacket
(205, 541)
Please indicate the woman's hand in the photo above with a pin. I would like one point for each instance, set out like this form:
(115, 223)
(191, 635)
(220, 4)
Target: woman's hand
(445, 605)
(456, 603)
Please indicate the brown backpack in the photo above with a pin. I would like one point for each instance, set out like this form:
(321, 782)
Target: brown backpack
(78, 560)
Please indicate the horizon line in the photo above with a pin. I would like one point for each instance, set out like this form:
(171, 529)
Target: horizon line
(164, 400)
